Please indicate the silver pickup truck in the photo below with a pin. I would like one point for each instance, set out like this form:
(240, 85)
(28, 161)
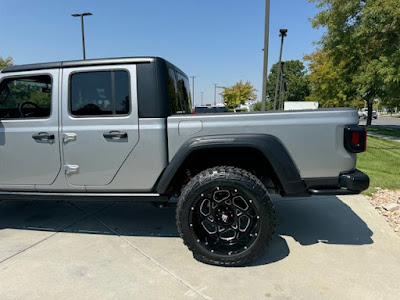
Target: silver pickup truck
(122, 129)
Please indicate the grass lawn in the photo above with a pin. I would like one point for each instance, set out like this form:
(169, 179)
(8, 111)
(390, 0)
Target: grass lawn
(384, 130)
(381, 162)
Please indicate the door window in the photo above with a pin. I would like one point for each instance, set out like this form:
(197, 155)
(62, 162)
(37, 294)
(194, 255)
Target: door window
(100, 93)
(25, 97)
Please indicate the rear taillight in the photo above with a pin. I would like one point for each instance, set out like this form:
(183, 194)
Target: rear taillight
(355, 138)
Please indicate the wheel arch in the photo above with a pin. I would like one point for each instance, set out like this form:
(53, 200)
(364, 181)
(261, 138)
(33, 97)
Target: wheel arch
(265, 148)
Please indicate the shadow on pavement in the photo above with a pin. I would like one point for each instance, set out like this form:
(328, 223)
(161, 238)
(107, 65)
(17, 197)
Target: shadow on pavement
(313, 220)
(306, 220)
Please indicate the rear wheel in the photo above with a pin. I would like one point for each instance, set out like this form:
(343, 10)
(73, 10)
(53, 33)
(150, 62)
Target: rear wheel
(225, 216)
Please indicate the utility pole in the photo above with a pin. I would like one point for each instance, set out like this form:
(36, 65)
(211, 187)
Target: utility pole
(221, 87)
(201, 98)
(83, 30)
(265, 69)
(215, 94)
(282, 89)
(193, 77)
(282, 34)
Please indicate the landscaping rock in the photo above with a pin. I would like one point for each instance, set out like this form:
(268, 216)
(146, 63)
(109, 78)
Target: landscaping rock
(387, 203)
(391, 206)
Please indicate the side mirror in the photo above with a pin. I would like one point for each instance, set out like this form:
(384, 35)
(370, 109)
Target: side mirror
(5, 92)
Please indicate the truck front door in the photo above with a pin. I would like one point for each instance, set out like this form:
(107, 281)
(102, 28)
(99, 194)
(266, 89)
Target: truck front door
(29, 135)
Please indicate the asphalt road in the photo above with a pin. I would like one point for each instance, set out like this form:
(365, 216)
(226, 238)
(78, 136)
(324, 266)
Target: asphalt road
(324, 248)
(385, 121)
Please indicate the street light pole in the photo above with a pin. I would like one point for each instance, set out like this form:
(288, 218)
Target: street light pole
(193, 77)
(265, 69)
(282, 90)
(282, 34)
(83, 30)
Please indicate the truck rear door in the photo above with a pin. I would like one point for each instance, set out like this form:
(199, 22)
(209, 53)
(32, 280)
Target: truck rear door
(99, 122)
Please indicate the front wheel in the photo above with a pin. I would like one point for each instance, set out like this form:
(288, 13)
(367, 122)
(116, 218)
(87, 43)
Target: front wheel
(225, 216)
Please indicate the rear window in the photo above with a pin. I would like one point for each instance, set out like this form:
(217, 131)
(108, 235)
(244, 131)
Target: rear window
(100, 93)
(179, 97)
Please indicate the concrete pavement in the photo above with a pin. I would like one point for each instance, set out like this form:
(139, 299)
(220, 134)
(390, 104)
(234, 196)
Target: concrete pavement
(324, 248)
(384, 121)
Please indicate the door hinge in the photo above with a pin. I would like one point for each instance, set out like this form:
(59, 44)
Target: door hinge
(69, 137)
(71, 169)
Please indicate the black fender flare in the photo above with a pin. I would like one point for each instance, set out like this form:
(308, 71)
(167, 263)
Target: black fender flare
(271, 147)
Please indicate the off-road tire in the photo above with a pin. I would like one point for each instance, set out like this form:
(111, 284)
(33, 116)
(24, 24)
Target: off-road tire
(245, 190)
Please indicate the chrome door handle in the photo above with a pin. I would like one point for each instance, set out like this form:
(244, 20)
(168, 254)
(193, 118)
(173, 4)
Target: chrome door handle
(43, 136)
(71, 169)
(115, 135)
(69, 137)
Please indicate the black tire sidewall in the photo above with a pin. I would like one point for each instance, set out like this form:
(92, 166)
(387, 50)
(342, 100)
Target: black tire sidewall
(260, 198)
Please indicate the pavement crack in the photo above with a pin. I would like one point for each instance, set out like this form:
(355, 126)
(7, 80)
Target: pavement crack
(86, 216)
(188, 285)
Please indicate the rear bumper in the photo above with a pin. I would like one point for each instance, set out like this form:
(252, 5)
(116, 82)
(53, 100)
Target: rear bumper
(348, 183)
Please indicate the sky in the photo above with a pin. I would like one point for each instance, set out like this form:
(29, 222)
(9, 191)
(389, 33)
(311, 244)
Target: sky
(219, 41)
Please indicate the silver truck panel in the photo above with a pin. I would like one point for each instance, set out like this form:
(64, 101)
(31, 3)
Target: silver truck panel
(314, 139)
(25, 161)
(144, 165)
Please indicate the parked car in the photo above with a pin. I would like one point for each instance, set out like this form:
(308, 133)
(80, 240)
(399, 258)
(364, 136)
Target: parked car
(363, 113)
(209, 109)
(122, 129)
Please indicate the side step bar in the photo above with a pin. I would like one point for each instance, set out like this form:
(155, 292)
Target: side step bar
(136, 197)
(332, 192)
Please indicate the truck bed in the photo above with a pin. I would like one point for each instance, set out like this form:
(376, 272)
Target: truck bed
(313, 138)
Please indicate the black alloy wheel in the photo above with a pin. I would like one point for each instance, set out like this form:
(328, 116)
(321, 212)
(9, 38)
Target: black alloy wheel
(225, 216)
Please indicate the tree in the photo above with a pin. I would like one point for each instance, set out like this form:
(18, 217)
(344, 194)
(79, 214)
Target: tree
(329, 83)
(257, 106)
(295, 81)
(360, 49)
(5, 62)
(239, 93)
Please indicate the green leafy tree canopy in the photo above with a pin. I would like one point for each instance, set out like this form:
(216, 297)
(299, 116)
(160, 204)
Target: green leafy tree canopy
(295, 81)
(5, 62)
(361, 48)
(239, 93)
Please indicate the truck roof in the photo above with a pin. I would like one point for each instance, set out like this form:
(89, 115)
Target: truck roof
(83, 63)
